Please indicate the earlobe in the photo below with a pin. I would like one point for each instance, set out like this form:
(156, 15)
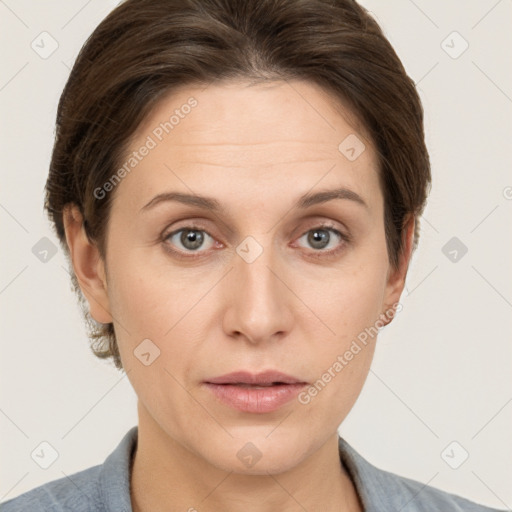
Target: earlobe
(396, 277)
(87, 265)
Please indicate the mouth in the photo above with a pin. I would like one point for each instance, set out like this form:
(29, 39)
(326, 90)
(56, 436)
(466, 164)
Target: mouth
(262, 379)
(254, 386)
(255, 393)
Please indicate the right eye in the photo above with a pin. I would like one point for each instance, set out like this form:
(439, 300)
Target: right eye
(191, 238)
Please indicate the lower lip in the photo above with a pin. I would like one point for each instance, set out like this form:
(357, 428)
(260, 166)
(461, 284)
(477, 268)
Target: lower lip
(255, 400)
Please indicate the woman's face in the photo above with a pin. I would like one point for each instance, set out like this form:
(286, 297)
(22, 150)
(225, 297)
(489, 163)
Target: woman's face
(258, 284)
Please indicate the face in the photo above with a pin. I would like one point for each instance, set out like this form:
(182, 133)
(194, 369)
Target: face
(266, 280)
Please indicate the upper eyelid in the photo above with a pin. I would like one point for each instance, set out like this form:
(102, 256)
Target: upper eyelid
(199, 227)
(326, 225)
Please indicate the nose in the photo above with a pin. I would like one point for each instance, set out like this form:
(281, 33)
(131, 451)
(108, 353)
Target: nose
(258, 295)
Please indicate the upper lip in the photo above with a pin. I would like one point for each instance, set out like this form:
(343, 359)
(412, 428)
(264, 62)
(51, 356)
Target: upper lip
(262, 378)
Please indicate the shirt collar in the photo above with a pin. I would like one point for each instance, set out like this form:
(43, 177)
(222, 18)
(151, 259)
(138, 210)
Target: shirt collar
(115, 474)
(368, 480)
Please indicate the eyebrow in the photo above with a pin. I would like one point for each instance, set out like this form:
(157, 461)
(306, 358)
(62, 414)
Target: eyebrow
(209, 203)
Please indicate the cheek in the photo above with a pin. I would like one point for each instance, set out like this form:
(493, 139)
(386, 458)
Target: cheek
(141, 292)
(342, 356)
(160, 303)
(353, 300)
(350, 306)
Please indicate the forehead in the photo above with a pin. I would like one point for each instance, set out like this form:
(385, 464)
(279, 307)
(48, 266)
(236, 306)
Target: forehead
(240, 113)
(234, 133)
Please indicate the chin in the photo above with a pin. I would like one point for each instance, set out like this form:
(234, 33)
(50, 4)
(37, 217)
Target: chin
(256, 453)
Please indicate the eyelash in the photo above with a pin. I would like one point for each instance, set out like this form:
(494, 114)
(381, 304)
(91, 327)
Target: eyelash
(316, 254)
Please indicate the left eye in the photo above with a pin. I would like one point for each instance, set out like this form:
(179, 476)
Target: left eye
(319, 237)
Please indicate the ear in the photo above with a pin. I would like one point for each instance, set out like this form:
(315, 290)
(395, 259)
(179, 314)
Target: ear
(87, 264)
(396, 277)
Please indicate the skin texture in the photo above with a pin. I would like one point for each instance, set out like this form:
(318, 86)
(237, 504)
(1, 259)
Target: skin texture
(256, 149)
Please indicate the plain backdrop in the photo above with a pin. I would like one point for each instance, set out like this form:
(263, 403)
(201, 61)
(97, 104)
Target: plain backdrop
(440, 384)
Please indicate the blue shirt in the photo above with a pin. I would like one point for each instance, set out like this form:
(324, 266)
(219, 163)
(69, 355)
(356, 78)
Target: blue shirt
(106, 488)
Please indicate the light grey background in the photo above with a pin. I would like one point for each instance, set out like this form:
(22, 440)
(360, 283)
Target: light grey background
(442, 369)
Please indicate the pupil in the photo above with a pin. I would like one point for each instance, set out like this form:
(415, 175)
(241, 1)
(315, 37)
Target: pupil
(192, 239)
(319, 237)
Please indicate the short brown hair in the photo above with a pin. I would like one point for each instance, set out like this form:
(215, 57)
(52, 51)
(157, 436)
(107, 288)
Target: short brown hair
(146, 48)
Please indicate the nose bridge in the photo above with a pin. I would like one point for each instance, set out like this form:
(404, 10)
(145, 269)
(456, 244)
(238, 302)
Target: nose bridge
(256, 258)
(258, 298)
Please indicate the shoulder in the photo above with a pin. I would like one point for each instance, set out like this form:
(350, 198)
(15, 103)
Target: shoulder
(101, 488)
(414, 496)
(382, 490)
(78, 492)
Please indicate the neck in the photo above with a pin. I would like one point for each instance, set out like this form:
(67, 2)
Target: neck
(167, 476)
